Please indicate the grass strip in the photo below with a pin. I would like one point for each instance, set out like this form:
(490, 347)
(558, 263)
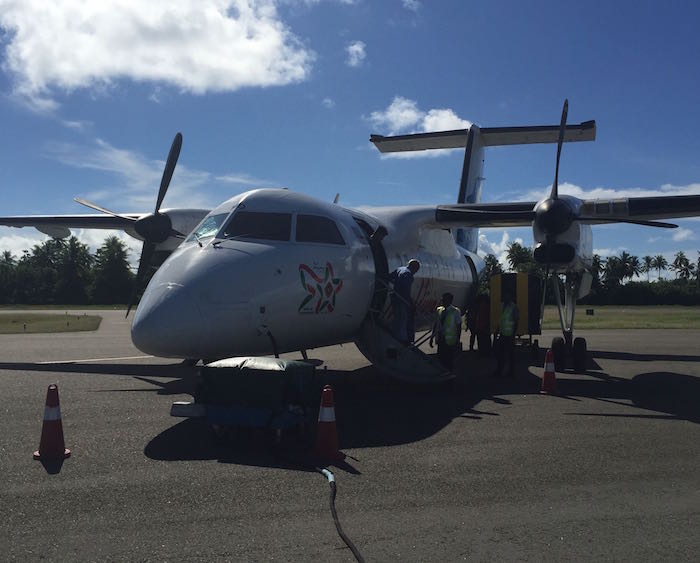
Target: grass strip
(32, 323)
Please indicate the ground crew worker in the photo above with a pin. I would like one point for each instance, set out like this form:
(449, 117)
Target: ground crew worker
(507, 325)
(402, 306)
(470, 323)
(447, 330)
(483, 325)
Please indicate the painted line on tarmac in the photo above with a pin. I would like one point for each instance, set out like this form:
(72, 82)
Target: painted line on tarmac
(96, 360)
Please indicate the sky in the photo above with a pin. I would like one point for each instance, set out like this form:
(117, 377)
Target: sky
(285, 93)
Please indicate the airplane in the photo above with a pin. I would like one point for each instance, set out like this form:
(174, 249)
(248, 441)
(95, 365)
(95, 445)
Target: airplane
(271, 271)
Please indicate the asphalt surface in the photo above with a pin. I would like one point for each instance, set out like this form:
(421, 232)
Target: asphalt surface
(487, 469)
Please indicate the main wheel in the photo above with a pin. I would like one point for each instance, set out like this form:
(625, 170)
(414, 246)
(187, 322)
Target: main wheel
(559, 353)
(579, 355)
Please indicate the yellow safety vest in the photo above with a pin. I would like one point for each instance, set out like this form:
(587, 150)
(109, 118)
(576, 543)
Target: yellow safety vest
(507, 321)
(448, 326)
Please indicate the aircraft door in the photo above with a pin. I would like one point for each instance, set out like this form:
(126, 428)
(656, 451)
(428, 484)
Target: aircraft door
(381, 266)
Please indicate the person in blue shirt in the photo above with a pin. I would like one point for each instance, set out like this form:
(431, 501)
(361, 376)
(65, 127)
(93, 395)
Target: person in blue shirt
(402, 306)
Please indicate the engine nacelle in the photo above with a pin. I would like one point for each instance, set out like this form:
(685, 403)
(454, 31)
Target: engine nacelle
(569, 251)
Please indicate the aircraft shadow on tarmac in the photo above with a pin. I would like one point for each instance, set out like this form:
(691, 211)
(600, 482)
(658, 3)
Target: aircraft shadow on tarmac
(373, 411)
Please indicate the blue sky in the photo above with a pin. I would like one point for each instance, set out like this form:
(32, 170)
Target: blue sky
(287, 92)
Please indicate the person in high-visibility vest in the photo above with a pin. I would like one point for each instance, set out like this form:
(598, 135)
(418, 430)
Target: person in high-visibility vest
(447, 330)
(507, 325)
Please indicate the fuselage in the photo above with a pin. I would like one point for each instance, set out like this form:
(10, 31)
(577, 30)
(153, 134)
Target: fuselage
(272, 271)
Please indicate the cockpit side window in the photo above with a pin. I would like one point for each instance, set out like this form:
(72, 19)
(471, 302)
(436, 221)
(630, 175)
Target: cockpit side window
(314, 228)
(208, 227)
(258, 225)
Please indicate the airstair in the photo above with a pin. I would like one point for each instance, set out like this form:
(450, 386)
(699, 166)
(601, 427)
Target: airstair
(397, 360)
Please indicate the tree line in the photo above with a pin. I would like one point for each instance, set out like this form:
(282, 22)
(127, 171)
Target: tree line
(63, 271)
(613, 277)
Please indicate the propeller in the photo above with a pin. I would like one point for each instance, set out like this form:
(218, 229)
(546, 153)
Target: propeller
(554, 216)
(155, 227)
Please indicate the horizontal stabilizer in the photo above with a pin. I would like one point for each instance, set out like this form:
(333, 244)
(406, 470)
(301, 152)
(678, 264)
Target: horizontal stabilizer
(490, 137)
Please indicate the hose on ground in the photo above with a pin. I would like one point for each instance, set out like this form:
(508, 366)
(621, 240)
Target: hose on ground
(336, 521)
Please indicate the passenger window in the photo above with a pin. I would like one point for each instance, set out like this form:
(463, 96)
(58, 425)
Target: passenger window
(266, 226)
(314, 228)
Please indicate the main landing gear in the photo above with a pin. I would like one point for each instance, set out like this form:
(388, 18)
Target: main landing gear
(567, 346)
(562, 348)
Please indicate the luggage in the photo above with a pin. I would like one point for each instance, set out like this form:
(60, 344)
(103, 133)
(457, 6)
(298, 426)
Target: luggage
(259, 392)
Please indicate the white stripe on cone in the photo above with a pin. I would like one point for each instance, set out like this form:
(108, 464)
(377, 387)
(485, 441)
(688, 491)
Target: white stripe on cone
(326, 414)
(52, 413)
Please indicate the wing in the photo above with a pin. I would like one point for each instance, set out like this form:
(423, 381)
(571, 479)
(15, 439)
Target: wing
(59, 225)
(631, 209)
(513, 214)
(636, 210)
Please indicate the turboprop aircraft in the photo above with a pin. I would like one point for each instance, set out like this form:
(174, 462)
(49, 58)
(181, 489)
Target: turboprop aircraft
(271, 270)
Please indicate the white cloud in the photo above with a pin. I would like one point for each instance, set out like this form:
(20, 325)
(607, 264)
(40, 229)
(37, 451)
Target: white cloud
(606, 252)
(356, 53)
(244, 180)
(328, 103)
(611, 193)
(196, 46)
(412, 5)
(497, 248)
(400, 115)
(137, 178)
(682, 234)
(403, 116)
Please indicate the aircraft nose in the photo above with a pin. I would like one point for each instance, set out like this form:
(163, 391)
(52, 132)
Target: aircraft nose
(167, 322)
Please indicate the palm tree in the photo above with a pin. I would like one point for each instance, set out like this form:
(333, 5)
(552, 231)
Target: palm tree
(519, 257)
(113, 280)
(7, 259)
(614, 271)
(659, 263)
(597, 268)
(682, 266)
(633, 267)
(648, 265)
(629, 265)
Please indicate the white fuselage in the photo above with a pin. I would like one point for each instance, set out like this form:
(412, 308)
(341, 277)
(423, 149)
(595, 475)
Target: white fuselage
(299, 284)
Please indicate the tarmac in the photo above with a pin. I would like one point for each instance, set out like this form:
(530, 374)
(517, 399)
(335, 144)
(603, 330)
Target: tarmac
(485, 469)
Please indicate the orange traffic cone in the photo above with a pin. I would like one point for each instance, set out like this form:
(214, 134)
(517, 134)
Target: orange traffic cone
(52, 447)
(326, 434)
(549, 382)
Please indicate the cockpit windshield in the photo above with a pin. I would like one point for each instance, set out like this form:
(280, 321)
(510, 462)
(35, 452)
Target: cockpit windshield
(208, 227)
(259, 225)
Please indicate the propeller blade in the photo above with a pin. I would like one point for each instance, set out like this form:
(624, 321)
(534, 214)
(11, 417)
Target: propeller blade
(562, 130)
(144, 263)
(169, 169)
(660, 224)
(96, 207)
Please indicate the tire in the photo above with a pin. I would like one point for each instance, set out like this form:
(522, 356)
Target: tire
(580, 355)
(559, 353)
